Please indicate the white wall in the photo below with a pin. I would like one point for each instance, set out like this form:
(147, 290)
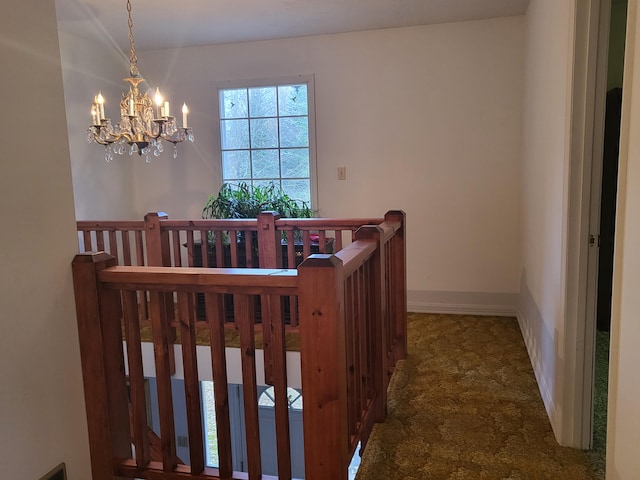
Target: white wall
(102, 190)
(42, 419)
(548, 59)
(426, 119)
(623, 435)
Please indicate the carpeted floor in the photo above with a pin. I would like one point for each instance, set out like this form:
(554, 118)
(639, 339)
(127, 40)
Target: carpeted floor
(601, 387)
(465, 405)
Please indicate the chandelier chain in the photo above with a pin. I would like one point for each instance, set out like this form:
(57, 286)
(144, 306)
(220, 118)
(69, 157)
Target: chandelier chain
(133, 59)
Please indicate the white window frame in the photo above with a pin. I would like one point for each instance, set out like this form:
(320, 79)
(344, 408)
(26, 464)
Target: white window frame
(270, 82)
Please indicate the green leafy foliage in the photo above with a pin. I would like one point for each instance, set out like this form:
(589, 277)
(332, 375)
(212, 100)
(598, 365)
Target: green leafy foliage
(247, 201)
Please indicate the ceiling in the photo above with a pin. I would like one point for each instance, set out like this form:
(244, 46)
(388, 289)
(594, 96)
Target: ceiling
(170, 23)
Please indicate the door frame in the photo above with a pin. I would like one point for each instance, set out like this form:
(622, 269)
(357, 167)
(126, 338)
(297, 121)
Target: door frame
(588, 95)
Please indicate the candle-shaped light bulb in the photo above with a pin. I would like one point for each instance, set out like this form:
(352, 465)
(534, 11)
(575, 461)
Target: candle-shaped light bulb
(132, 104)
(100, 100)
(158, 100)
(166, 109)
(185, 111)
(94, 115)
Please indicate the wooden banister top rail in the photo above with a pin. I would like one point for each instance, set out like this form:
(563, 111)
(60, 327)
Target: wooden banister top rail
(110, 225)
(388, 229)
(216, 224)
(325, 223)
(232, 224)
(355, 254)
(215, 280)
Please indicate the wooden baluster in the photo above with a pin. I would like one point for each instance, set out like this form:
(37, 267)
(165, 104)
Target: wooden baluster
(140, 261)
(244, 320)
(338, 245)
(248, 248)
(136, 378)
(291, 249)
(163, 350)
(306, 244)
(322, 240)
(215, 319)
(100, 240)
(126, 247)
(278, 340)
(191, 383)
(378, 319)
(190, 248)
(351, 341)
(323, 362)
(86, 237)
(363, 339)
(399, 275)
(221, 262)
(177, 252)
(98, 314)
(389, 321)
(233, 245)
(204, 247)
(220, 249)
(291, 263)
(113, 245)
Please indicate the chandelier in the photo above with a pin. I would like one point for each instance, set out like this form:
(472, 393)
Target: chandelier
(144, 123)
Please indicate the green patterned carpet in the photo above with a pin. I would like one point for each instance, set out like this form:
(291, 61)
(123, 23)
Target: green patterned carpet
(465, 405)
(601, 386)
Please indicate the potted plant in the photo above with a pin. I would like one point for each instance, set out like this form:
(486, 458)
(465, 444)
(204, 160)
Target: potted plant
(247, 201)
(244, 200)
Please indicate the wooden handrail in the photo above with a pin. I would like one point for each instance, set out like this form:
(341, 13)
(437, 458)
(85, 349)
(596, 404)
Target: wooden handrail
(355, 254)
(352, 311)
(212, 224)
(213, 280)
(326, 223)
(110, 225)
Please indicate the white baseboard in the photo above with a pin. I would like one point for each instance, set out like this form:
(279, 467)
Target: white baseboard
(528, 317)
(463, 303)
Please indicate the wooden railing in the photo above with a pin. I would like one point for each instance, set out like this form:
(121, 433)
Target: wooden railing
(352, 327)
(158, 241)
(262, 242)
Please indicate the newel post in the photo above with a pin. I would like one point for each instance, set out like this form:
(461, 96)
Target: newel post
(398, 276)
(323, 362)
(157, 241)
(269, 245)
(98, 312)
(269, 256)
(159, 255)
(378, 319)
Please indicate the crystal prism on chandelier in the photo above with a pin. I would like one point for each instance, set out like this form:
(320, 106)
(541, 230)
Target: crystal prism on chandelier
(144, 123)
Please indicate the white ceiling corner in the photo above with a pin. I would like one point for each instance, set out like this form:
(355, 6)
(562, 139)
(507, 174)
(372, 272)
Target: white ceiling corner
(167, 23)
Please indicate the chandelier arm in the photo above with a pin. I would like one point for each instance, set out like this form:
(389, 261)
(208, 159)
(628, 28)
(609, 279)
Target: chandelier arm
(179, 136)
(113, 138)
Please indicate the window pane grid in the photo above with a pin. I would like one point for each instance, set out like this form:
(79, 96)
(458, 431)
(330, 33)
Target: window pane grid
(272, 129)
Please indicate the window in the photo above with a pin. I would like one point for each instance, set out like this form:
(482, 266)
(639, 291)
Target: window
(268, 398)
(267, 135)
(210, 425)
